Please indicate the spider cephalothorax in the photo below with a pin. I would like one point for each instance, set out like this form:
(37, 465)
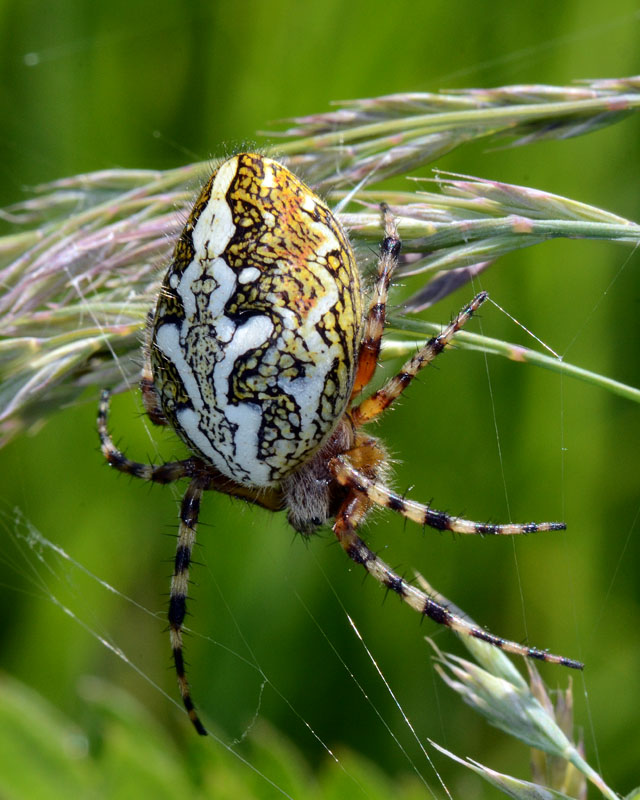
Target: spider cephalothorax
(257, 353)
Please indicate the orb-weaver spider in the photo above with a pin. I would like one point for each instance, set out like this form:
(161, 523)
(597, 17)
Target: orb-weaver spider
(256, 355)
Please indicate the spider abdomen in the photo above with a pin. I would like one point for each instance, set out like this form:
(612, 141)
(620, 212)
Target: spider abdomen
(255, 335)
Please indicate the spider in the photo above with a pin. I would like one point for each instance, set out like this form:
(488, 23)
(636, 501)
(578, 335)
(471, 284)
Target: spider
(257, 354)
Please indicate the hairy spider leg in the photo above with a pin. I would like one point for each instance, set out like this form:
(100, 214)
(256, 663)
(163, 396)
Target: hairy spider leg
(204, 478)
(189, 510)
(375, 404)
(192, 467)
(374, 324)
(160, 473)
(166, 473)
(150, 398)
(347, 475)
(350, 515)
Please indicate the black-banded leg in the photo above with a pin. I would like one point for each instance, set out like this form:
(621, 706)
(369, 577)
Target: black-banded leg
(160, 473)
(374, 405)
(378, 494)
(150, 397)
(189, 511)
(174, 470)
(167, 473)
(374, 324)
(348, 517)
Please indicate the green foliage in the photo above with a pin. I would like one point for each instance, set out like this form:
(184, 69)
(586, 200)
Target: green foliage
(125, 753)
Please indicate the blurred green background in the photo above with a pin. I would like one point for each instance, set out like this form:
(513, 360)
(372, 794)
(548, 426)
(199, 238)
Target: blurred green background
(88, 86)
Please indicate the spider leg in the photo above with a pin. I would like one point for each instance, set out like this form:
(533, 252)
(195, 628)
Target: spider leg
(374, 325)
(150, 398)
(161, 473)
(189, 510)
(350, 514)
(378, 494)
(174, 470)
(374, 405)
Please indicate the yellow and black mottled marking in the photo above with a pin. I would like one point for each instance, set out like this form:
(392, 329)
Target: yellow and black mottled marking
(256, 331)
